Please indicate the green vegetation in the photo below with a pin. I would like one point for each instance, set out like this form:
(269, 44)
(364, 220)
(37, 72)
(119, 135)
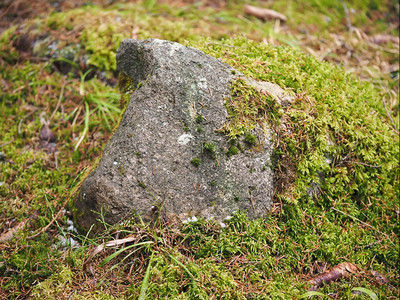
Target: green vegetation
(209, 149)
(199, 119)
(233, 150)
(336, 156)
(250, 139)
(196, 161)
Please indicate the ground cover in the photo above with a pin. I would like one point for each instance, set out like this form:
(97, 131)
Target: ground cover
(337, 200)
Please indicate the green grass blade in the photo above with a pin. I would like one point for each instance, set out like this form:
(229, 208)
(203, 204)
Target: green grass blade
(312, 293)
(115, 254)
(370, 293)
(185, 268)
(145, 282)
(86, 129)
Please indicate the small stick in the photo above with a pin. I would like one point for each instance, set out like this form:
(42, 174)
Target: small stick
(346, 12)
(27, 116)
(59, 100)
(252, 203)
(225, 45)
(364, 164)
(7, 143)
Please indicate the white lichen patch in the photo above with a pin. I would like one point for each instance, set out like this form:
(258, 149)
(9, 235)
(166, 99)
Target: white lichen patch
(190, 219)
(184, 139)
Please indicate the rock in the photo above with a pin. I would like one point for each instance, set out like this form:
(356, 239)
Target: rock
(167, 154)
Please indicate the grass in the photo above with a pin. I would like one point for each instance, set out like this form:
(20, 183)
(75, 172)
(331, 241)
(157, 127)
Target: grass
(337, 156)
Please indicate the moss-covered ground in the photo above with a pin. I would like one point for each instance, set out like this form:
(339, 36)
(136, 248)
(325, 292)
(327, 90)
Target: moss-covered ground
(336, 156)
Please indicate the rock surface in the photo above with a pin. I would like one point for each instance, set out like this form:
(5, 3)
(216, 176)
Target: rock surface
(167, 154)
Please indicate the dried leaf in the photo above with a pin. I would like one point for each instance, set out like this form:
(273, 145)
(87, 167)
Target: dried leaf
(263, 13)
(99, 248)
(342, 270)
(10, 233)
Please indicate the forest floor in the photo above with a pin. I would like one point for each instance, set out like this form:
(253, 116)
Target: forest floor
(58, 76)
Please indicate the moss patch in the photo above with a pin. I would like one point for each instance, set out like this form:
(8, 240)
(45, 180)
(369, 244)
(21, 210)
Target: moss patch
(338, 151)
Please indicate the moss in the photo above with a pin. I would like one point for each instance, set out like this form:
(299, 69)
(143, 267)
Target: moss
(141, 184)
(196, 162)
(209, 149)
(334, 115)
(54, 285)
(233, 150)
(121, 169)
(250, 139)
(246, 108)
(126, 87)
(199, 119)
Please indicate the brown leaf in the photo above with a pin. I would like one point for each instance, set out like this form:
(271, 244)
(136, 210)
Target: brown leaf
(263, 13)
(12, 231)
(342, 270)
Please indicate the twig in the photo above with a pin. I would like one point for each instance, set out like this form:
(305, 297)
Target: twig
(346, 12)
(363, 164)
(263, 13)
(362, 222)
(252, 203)
(225, 45)
(28, 115)
(393, 51)
(59, 101)
(7, 143)
(12, 231)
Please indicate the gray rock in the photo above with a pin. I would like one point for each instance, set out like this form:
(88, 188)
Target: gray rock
(167, 154)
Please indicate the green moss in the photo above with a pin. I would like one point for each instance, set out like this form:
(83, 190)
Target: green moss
(233, 150)
(142, 185)
(121, 169)
(209, 149)
(246, 108)
(199, 119)
(334, 116)
(196, 162)
(54, 285)
(126, 88)
(250, 139)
